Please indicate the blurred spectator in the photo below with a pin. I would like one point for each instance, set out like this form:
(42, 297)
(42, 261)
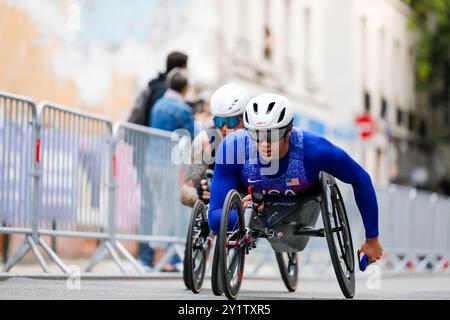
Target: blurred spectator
(267, 43)
(155, 90)
(140, 114)
(169, 113)
(203, 116)
(445, 186)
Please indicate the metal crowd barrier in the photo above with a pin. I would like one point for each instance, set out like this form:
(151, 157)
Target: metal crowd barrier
(415, 226)
(147, 204)
(76, 183)
(19, 177)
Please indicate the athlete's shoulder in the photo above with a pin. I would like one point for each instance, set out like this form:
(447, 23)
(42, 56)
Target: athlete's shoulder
(238, 137)
(315, 145)
(312, 139)
(232, 148)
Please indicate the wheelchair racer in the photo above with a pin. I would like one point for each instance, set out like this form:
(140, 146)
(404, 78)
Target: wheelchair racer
(286, 162)
(227, 106)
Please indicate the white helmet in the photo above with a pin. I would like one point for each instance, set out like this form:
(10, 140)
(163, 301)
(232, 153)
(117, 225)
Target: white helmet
(268, 111)
(229, 100)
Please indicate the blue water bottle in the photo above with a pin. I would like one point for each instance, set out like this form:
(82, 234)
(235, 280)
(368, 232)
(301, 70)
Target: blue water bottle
(362, 260)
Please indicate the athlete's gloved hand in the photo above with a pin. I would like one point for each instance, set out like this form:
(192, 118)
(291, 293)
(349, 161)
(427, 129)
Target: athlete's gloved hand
(372, 249)
(248, 198)
(202, 190)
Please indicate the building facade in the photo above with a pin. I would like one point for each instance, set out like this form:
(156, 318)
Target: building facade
(335, 60)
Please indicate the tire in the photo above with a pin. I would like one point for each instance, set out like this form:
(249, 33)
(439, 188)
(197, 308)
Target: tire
(288, 265)
(232, 271)
(196, 248)
(339, 239)
(216, 280)
(185, 276)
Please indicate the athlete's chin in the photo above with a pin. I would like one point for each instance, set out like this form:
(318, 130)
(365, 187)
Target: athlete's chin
(269, 156)
(266, 155)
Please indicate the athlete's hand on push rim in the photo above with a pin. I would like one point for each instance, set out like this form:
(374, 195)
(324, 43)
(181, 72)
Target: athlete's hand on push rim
(372, 249)
(206, 195)
(247, 199)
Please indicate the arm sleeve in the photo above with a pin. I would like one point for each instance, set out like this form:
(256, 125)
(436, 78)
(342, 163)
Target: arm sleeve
(337, 162)
(226, 177)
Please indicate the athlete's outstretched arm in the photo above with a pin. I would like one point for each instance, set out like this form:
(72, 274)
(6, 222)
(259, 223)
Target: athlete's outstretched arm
(226, 177)
(338, 163)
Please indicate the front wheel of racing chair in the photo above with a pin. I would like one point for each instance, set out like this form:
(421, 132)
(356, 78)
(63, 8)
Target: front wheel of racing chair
(337, 232)
(216, 280)
(198, 244)
(288, 265)
(232, 246)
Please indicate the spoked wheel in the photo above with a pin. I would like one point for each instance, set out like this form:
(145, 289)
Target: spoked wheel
(232, 245)
(185, 275)
(339, 238)
(216, 280)
(288, 265)
(197, 247)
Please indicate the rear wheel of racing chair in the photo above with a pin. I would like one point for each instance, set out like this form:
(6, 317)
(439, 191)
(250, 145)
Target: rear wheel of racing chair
(339, 238)
(197, 247)
(232, 246)
(185, 276)
(288, 265)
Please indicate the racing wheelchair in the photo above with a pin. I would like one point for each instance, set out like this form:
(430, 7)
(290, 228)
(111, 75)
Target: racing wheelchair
(288, 225)
(199, 241)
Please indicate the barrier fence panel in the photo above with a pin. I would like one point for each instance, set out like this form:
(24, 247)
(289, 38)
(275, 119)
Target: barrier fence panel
(75, 181)
(148, 207)
(17, 140)
(75, 160)
(18, 172)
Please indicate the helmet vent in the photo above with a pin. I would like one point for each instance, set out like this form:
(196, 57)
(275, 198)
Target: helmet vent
(283, 113)
(255, 108)
(269, 109)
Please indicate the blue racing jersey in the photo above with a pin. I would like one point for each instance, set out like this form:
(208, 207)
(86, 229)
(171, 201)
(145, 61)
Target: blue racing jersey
(238, 165)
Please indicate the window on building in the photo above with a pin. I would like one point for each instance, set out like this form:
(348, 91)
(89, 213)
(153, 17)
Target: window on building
(411, 121)
(399, 116)
(267, 32)
(447, 116)
(307, 36)
(367, 101)
(384, 106)
(242, 16)
(423, 128)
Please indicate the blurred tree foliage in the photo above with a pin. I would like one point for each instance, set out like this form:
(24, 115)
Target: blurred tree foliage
(432, 22)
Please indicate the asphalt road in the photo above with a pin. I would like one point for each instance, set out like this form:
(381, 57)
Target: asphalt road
(399, 287)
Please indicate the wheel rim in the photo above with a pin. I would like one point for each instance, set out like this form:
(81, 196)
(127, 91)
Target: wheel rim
(288, 264)
(233, 247)
(198, 252)
(337, 231)
(216, 280)
(344, 239)
(340, 229)
(197, 248)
